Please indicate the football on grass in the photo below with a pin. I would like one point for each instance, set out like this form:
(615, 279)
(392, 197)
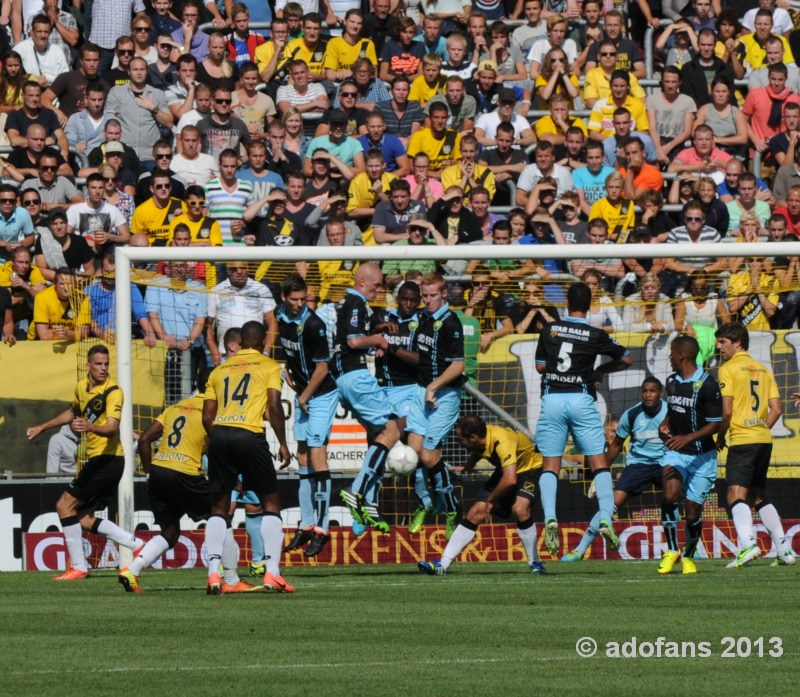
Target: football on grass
(402, 459)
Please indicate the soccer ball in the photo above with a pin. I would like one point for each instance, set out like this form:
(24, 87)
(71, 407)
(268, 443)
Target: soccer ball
(402, 459)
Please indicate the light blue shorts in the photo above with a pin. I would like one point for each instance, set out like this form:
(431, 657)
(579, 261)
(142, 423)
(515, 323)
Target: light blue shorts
(360, 391)
(315, 426)
(401, 398)
(434, 424)
(246, 496)
(574, 413)
(698, 472)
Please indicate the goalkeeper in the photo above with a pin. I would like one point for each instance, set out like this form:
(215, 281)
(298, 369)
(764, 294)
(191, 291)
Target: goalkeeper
(643, 464)
(513, 487)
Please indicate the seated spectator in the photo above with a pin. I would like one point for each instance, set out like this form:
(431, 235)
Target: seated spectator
(53, 189)
(505, 163)
(639, 175)
(590, 181)
(216, 70)
(532, 314)
(394, 152)
(392, 217)
(220, 130)
(783, 145)
(628, 56)
(254, 108)
(41, 57)
(554, 127)
(336, 275)
(112, 134)
(657, 222)
(57, 248)
(556, 79)
(370, 90)
(617, 212)
(367, 190)
(488, 306)
(751, 48)
(790, 209)
(16, 226)
(699, 313)
(300, 93)
(648, 310)
(191, 165)
(487, 123)
(62, 450)
(749, 230)
(677, 44)
(753, 296)
(347, 149)
(479, 202)
(23, 163)
(55, 311)
(182, 95)
(609, 271)
(321, 182)
(402, 55)
(602, 314)
(189, 36)
(695, 74)
(424, 187)
(381, 24)
(567, 211)
(342, 51)
(441, 144)
(787, 178)
(24, 282)
(432, 82)
(333, 208)
(98, 310)
(726, 120)
(419, 231)
(544, 166)
(717, 214)
(467, 173)
(747, 201)
(729, 188)
(614, 144)
(310, 47)
(506, 272)
(484, 88)
(598, 79)
(456, 223)
(671, 115)
(782, 20)
(296, 139)
(403, 117)
(556, 38)
(703, 157)
(461, 106)
(458, 62)
(431, 37)
(96, 220)
(601, 122)
(85, 128)
(153, 216)
(255, 171)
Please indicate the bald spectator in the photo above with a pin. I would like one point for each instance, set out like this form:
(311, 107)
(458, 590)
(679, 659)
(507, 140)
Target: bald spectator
(23, 163)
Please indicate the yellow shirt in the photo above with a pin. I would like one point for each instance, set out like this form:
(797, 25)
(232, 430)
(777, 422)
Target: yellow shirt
(8, 268)
(755, 56)
(298, 50)
(542, 81)
(602, 118)
(424, 141)
(239, 387)
(422, 92)
(49, 310)
(451, 176)
(335, 278)
(341, 56)
(546, 125)
(204, 230)
(265, 52)
(86, 402)
(751, 314)
(184, 438)
(622, 215)
(156, 222)
(751, 386)
(598, 86)
(506, 447)
(362, 195)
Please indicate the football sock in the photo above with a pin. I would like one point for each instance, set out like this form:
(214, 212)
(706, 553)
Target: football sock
(372, 468)
(305, 495)
(322, 498)
(743, 522)
(462, 536)
(73, 535)
(440, 476)
(772, 522)
(669, 521)
(605, 493)
(252, 523)
(114, 533)
(589, 536)
(421, 487)
(526, 529)
(216, 530)
(692, 532)
(155, 547)
(548, 485)
(230, 558)
(272, 532)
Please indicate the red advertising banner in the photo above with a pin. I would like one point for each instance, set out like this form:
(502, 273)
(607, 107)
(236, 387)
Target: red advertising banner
(639, 541)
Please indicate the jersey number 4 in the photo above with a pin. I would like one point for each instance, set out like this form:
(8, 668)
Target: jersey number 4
(240, 393)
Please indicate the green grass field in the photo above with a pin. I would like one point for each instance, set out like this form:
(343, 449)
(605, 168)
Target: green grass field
(485, 629)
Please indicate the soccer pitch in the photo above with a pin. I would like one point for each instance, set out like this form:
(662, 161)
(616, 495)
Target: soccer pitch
(485, 629)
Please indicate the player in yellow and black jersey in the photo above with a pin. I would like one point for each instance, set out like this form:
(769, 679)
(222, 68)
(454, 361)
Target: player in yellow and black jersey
(751, 405)
(240, 395)
(513, 487)
(95, 411)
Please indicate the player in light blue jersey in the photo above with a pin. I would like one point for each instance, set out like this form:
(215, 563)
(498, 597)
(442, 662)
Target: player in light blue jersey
(643, 464)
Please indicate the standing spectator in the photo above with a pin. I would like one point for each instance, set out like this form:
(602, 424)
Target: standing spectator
(219, 131)
(193, 166)
(111, 19)
(228, 197)
(403, 117)
(140, 110)
(65, 29)
(670, 114)
(154, 216)
(71, 88)
(40, 57)
(189, 37)
(254, 108)
(56, 248)
(32, 113)
(125, 52)
(96, 220)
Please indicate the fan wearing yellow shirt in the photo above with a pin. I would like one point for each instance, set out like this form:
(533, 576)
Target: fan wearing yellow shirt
(752, 296)
(554, 127)
(617, 211)
(426, 86)
(442, 145)
(751, 405)
(205, 231)
(598, 80)
(343, 51)
(366, 191)
(310, 48)
(154, 217)
(752, 48)
(273, 57)
(601, 120)
(512, 488)
(337, 275)
(468, 174)
(241, 394)
(94, 414)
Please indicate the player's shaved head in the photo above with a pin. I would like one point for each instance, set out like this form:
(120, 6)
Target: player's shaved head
(367, 272)
(254, 335)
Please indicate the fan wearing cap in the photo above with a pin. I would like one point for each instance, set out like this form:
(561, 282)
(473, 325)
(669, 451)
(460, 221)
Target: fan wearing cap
(338, 143)
(485, 89)
(486, 125)
(441, 144)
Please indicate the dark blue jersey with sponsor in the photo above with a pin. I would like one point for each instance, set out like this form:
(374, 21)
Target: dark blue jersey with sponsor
(693, 403)
(569, 349)
(354, 318)
(390, 370)
(305, 344)
(440, 341)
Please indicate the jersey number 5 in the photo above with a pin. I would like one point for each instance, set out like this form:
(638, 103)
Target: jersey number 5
(240, 392)
(564, 358)
(754, 394)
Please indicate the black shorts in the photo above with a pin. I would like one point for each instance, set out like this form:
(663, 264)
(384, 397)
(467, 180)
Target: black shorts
(98, 481)
(173, 494)
(233, 451)
(527, 487)
(748, 464)
(636, 479)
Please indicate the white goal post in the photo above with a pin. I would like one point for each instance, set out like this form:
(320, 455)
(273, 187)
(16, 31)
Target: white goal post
(126, 256)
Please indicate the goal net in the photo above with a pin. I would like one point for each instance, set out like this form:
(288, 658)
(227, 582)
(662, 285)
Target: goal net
(504, 385)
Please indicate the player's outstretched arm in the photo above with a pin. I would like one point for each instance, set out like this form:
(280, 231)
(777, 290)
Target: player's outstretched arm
(64, 417)
(145, 444)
